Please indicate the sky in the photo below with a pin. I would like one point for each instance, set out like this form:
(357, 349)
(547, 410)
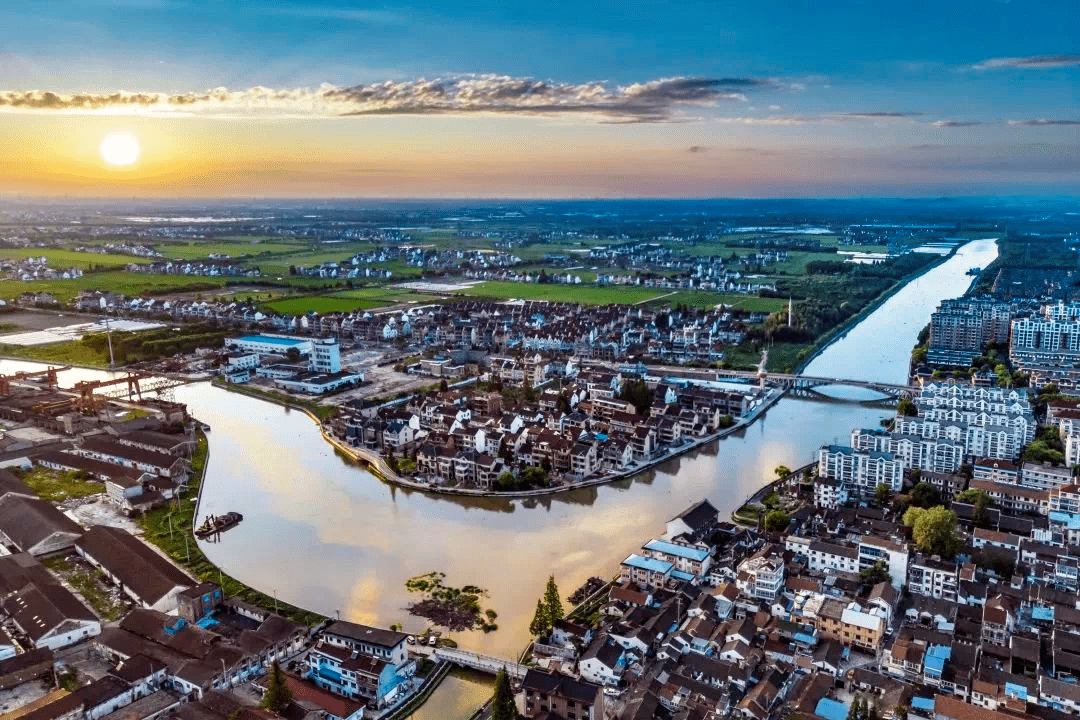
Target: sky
(709, 98)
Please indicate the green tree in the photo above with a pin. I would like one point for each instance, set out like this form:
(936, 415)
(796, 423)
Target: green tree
(278, 696)
(777, 521)
(907, 408)
(502, 704)
(980, 499)
(925, 495)
(782, 472)
(552, 601)
(882, 494)
(934, 530)
(292, 354)
(876, 573)
(540, 626)
(637, 393)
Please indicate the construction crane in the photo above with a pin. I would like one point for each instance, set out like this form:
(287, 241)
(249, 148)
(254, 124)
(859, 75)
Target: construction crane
(48, 373)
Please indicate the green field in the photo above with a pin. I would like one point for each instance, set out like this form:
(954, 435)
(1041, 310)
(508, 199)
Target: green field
(702, 299)
(588, 294)
(320, 304)
(234, 249)
(110, 281)
(64, 259)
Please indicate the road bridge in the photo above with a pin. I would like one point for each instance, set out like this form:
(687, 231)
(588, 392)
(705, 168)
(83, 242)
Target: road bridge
(809, 382)
(484, 663)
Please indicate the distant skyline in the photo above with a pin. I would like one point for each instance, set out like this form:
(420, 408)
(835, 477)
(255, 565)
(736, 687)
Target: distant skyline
(522, 99)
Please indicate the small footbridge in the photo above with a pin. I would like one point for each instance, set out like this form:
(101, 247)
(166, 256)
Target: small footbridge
(483, 663)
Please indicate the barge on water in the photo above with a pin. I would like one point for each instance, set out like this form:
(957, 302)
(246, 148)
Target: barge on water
(215, 524)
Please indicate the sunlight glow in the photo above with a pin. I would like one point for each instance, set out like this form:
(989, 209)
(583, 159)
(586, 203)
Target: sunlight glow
(120, 149)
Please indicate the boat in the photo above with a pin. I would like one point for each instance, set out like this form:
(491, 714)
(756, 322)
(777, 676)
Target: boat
(214, 524)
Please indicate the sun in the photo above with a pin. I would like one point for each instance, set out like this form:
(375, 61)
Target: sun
(120, 149)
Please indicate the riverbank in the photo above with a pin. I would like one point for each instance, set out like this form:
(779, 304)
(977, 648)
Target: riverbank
(171, 529)
(837, 333)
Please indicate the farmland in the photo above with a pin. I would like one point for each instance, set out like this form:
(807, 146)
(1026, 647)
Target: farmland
(110, 281)
(233, 249)
(59, 258)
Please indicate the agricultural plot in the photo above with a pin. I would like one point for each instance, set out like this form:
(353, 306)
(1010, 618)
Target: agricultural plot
(63, 259)
(111, 281)
(588, 294)
(234, 249)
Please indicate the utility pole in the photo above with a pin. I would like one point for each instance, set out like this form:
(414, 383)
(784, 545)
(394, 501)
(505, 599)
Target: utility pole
(108, 336)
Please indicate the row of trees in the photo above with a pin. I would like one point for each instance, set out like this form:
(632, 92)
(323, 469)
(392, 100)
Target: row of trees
(549, 608)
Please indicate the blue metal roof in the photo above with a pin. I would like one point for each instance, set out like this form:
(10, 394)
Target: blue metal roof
(650, 564)
(669, 548)
(805, 638)
(1042, 613)
(680, 575)
(831, 709)
(271, 340)
(935, 658)
(924, 704)
(1016, 690)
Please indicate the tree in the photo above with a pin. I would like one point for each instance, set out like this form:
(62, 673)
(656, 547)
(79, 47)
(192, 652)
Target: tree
(443, 387)
(882, 494)
(876, 573)
(777, 521)
(292, 354)
(637, 393)
(278, 696)
(925, 495)
(907, 408)
(934, 530)
(502, 704)
(980, 499)
(782, 472)
(552, 601)
(540, 626)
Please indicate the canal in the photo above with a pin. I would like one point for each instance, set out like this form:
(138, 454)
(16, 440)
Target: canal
(328, 536)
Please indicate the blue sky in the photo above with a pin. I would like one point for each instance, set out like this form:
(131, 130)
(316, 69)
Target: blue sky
(993, 85)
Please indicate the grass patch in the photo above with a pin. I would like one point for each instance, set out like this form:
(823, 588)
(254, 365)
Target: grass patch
(318, 303)
(73, 352)
(88, 583)
(57, 486)
(187, 553)
(235, 250)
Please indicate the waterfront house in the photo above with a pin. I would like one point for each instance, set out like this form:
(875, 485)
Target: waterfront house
(695, 523)
(353, 674)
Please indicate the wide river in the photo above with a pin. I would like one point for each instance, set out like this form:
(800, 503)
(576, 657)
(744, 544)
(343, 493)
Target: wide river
(330, 537)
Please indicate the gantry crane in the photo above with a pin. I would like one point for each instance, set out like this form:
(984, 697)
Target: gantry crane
(49, 373)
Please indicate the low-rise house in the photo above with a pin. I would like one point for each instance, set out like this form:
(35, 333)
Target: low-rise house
(645, 571)
(34, 526)
(603, 663)
(546, 694)
(140, 572)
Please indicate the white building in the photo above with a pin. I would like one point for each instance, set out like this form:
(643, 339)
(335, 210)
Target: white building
(268, 344)
(761, 577)
(860, 471)
(895, 556)
(326, 356)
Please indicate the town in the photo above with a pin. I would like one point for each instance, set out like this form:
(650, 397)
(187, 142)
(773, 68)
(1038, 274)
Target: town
(923, 567)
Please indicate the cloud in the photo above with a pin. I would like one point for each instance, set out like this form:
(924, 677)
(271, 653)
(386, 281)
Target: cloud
(831, 117)
(955, 123)
(1030, 62)
(660, 100)
(697, 149)
(1038, 122)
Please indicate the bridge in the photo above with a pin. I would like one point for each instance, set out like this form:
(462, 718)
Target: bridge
(483, 663)
(809, 382)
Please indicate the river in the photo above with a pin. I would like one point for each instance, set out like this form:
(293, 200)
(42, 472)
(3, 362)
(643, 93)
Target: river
(328, 536)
